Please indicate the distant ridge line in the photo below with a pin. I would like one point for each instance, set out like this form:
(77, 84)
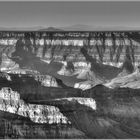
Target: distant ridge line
(61, 31)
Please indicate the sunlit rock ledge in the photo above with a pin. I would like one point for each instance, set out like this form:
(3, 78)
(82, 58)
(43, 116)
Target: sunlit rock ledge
(10, 102)
(87, 84)
(10, 41)
(83, 101)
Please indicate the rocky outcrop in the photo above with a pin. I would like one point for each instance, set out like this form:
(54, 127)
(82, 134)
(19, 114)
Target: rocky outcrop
(10, 102)
(129, 80)
(91, 80)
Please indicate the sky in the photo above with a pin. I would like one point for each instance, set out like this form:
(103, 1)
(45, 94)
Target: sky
(58, 14)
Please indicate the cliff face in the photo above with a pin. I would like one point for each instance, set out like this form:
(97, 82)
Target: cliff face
(66, 49)
(11, 102)
(65, 58)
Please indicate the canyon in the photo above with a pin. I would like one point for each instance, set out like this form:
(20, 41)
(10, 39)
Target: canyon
(85, 82)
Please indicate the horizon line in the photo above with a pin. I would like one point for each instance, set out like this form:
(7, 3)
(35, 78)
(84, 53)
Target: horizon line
(70, 1)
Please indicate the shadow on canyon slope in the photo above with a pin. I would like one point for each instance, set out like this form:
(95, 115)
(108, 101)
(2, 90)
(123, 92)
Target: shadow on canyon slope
(28, 87)
(106, 71)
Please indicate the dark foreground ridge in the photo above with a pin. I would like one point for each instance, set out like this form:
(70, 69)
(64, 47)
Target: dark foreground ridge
(18, 127)
(117, 114)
